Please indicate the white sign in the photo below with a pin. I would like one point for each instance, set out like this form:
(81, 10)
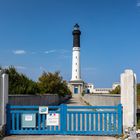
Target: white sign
(28, 118)
(43, 110)
(52, 119)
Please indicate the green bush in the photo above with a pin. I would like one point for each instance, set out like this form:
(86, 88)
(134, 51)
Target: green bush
(117, 90)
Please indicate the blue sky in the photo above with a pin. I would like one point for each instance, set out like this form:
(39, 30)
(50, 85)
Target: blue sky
(36, 35)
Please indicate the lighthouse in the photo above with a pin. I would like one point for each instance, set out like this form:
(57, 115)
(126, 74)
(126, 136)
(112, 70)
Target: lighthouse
(76, 83)
(76, 69)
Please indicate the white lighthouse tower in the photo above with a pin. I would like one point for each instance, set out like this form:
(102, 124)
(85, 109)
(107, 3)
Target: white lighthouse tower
(76, 83)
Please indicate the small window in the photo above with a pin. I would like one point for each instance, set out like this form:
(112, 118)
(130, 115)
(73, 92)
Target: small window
(76, 63)
(76, 77)
(76, 57)
(76, 70)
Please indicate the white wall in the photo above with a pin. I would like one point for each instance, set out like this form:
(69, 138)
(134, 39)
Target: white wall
(102, 99)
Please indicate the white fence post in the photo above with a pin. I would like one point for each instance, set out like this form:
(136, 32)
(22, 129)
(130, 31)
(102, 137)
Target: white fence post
(129, 98)
(3, 97)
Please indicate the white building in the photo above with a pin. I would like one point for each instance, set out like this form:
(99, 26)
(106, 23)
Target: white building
(102, 90)
(89, 88)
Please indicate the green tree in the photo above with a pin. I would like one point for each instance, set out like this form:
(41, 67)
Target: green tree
(48, 83)
(117, 90)
(20, 83)
(53, 83)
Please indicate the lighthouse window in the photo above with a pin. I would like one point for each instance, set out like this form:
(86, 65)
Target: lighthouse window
(76, 57)
(76, 77)
(76, 63)
(76, 70)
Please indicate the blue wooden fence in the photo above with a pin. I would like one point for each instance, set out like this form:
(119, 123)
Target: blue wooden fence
(73, 120)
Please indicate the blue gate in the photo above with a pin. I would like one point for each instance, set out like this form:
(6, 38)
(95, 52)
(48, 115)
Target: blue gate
(73, 120)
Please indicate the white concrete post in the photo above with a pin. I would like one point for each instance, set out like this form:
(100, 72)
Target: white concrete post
(3, 97)
(128, 98)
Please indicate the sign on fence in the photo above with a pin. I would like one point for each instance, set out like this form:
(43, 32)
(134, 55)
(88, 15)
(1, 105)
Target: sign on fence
(52, 119)
(28, 120)
(43, 110)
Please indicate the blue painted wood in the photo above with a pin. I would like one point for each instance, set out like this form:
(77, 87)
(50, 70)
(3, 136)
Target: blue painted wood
(52, 128)
(13, 121)
(64, 118)
(43, 121)
(56, 132)
(119, 119)
(56, 128)
(23, 111)
(70, 117)
(105, 121)
(17, 121)
(30, 107)
(61, 118)
(89, 112)
(78, 120)
(87, 122)
(74, 121)
(92, 107)
(101, 122)
(96, 123)
(92, 122)
(114, 121)
(8, 116)
(110, 122)
(39, 121)
(83, 122)
(79, 124)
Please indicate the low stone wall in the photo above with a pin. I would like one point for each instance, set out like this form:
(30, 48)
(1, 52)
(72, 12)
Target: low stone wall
(101, 99)
(41, 100)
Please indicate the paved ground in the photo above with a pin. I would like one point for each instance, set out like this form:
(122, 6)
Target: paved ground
(58, 137)
(74, 101)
